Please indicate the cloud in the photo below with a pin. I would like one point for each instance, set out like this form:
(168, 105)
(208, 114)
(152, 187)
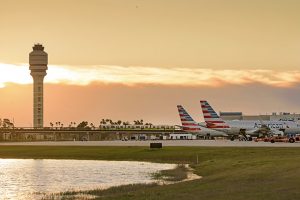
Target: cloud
(84, 75)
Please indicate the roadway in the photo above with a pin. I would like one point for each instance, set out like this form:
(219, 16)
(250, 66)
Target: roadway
(188, 143)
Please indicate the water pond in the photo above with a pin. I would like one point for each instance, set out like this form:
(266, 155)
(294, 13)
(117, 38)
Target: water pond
(27, 178)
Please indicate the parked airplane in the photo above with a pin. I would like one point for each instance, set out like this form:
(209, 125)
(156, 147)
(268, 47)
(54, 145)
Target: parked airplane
(245, 127)
(189, 125)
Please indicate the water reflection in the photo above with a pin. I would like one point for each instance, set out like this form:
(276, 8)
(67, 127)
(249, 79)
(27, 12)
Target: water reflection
(22, 178)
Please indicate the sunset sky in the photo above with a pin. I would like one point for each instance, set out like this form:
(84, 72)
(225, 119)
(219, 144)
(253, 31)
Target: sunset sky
(133, 59)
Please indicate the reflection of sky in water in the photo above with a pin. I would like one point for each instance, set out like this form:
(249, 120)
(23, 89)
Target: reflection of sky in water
(19, 178)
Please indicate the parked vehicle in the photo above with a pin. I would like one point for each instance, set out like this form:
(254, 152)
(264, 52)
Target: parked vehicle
(262, 139)
(281, 139)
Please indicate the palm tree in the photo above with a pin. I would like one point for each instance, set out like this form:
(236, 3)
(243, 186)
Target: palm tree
(103, 121)
(125, 124)
(57, 124)
(150, 124)
(92, 126)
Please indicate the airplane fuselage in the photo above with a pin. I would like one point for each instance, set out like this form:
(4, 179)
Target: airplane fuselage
(249, 124)
(289, 127)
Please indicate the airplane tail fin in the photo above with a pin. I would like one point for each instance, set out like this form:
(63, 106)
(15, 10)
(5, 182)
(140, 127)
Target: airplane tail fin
(188, 124)
(211, 118)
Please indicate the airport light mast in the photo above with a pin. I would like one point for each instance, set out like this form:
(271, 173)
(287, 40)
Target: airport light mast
(38, 61)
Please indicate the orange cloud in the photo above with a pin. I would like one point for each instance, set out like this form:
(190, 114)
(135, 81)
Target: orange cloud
(153, 103)
(150, 75)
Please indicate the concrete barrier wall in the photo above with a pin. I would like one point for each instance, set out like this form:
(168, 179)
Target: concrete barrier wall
(79, 135)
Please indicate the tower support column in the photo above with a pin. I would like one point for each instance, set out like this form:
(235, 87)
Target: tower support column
(38, 101)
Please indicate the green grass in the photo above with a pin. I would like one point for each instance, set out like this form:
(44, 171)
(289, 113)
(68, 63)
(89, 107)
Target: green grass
(177, 174)
(228, 173)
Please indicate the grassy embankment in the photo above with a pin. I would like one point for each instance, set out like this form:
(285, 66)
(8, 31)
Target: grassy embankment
(228, 173)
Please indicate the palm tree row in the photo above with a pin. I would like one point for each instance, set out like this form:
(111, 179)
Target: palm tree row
(109, 121)
(58, 124)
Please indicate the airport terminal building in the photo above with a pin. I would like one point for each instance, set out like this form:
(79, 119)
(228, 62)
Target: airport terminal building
(282, 116)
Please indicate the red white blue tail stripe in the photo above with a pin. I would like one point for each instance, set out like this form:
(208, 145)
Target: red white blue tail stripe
(211, 118)
(188, 124)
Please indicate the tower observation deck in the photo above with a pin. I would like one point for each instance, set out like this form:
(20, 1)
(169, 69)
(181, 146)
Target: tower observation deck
(38, 61)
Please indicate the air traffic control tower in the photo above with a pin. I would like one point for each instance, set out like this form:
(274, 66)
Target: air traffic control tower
(38, 61)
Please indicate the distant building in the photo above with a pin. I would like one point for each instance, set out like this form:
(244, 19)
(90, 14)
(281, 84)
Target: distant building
(231, 115)
(283, 116)
(182, 136)
(256, 117)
